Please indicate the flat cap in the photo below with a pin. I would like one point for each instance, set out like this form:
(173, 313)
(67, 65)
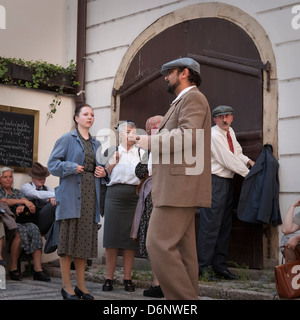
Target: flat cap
(182, 62)
(220, 110)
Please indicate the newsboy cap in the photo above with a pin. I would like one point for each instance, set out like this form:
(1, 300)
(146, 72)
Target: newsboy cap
(182, 62)
(38, 171)
(220, 110)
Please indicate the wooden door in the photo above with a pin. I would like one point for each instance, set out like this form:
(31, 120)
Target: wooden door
(231, 73)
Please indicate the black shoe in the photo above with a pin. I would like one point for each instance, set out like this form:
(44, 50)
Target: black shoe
(107, 286)
(40, 276)
(68, 296)
(154, 292)
(227, 275)
(129, 286)
(81, 294)
(15, 275)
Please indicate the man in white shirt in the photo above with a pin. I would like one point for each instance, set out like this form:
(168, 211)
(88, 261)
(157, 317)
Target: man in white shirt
(227, 158)
(42, 196)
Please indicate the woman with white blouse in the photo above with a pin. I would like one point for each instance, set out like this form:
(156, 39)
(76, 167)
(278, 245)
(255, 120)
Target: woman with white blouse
(120, 203)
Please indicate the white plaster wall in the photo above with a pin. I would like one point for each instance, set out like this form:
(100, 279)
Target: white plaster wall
(40, 30)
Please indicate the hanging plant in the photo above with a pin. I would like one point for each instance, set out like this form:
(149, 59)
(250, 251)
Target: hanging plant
(39, 75)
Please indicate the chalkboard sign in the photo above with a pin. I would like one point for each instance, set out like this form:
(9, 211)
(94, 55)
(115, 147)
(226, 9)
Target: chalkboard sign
(18, 137)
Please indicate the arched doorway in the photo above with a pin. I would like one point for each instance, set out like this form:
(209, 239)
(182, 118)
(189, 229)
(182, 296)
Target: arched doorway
(233, 74)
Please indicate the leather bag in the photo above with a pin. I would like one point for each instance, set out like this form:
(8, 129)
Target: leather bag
(287, 276)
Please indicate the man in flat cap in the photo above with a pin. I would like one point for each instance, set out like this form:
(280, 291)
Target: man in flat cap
(42, 196)
(215, 223)
(178, 188)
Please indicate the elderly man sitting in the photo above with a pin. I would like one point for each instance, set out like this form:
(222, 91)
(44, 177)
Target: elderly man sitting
(42, 196)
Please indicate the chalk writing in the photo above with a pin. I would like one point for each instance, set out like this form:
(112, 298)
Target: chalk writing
(16, 139)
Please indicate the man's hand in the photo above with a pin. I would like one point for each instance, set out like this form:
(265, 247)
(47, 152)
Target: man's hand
(251, 163)
(52, 200)
(142, 142)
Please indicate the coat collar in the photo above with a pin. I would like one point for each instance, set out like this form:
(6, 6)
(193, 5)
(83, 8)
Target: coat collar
(75, 134)
(259, 164)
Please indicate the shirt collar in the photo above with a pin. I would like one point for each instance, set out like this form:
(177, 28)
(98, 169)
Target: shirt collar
(183, 92)
(224, 132)
(122, 149)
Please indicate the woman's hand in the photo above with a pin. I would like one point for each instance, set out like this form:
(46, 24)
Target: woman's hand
(19, 210)
(30, 206)
(99, 172)
(113, 161)
(296, 204)
(292, 242)
(80, 169)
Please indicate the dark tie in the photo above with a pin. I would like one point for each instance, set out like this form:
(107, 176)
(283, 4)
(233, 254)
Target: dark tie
(230, 142)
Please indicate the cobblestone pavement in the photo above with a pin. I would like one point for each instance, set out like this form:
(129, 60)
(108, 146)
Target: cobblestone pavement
(28, 289)
(262, 288)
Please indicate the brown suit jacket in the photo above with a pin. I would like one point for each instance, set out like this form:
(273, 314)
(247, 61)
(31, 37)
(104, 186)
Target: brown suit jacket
(184, 180)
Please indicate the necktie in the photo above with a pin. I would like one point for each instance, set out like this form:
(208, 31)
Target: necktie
(230, 142)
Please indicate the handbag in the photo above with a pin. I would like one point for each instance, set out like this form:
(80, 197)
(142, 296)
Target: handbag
(26, 216)
(287, 276)
(103, 187)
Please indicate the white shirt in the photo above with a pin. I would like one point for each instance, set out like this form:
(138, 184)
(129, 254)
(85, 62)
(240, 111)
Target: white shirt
(224, 163)
(183, 92)
(150, 164)
(30, 192)
(124, 171)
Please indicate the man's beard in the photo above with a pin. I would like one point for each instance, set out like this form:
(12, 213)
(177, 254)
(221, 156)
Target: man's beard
(173, 87)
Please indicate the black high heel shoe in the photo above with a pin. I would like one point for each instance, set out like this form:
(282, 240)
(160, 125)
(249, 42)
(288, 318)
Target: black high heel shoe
(15, 275)
(68, 296)
(129, 286)
(108, 285)
(84, 296)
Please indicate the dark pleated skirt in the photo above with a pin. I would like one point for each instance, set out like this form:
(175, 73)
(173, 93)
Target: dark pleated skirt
(120, 205)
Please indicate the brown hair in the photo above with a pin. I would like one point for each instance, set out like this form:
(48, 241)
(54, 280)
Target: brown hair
(78, 109)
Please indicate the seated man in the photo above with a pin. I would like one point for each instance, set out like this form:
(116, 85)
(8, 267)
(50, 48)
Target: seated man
(42, 196)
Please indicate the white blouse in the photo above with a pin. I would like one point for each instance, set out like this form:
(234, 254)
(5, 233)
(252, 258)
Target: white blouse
(124, 171)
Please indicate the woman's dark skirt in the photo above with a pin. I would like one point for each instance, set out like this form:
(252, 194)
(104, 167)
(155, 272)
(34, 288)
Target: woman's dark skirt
(78, 237)
(120, 205)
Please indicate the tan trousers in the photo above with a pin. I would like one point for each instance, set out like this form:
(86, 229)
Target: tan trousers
(171, 246)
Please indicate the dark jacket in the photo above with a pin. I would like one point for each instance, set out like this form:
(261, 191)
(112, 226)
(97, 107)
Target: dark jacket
(259, 199)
